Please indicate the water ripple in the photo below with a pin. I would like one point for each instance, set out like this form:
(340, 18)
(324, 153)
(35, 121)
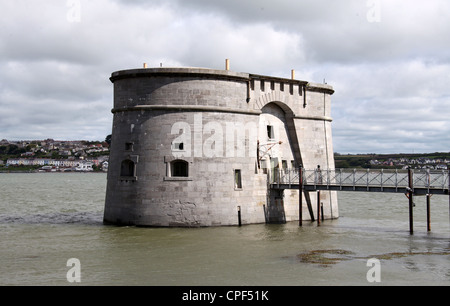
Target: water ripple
(86, 218)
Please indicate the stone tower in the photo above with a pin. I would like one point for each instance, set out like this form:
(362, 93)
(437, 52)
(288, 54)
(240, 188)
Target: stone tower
(195, 146)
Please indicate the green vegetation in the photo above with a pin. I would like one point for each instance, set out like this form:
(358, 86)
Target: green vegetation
(327, 258)
(10, 150)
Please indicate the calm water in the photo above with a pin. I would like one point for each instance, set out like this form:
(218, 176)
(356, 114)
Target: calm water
(48, 218)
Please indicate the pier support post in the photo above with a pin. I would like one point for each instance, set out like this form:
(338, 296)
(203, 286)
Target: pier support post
(411, 203)
(300, 195)
(318, 208)
(428, 213)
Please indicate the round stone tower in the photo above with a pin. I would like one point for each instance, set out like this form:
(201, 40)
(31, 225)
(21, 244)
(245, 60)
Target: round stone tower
(198, 147)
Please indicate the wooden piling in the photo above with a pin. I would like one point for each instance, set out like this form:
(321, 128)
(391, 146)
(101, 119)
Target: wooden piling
(321, 211)
(300, 196)
(428, 213)
(411, 203)
(318, 207)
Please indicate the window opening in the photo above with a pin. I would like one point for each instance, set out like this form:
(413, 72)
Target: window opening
(127, 168)
(129, 146)
(270, 132)
(179, 168)
(178, 146)
(237, 179)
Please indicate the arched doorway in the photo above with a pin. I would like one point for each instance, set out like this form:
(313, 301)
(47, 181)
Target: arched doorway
(277, 154)
(277, 145)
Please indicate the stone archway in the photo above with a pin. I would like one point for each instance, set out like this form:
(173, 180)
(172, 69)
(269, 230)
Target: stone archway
(283, 115)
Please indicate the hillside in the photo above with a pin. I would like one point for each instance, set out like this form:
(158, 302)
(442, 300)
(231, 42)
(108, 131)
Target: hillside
(437, 160)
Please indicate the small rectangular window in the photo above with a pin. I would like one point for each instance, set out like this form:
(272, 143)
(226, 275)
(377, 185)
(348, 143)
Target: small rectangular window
(127, 168)
(178, 146)
(237, 179)
(284, 164)
(270, 132)
(128, 146)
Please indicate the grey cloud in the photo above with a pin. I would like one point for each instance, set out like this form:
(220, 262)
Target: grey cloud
(391, 77)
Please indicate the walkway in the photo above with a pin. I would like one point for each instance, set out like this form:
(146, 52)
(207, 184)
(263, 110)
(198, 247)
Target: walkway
(411, 182)
(368, 180)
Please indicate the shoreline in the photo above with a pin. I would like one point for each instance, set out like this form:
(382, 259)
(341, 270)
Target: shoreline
(34, 171)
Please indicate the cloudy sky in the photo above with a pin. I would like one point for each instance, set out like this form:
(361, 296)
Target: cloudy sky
(388, 61)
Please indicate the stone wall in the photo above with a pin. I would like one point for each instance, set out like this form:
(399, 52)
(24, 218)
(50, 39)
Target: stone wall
(183, 136)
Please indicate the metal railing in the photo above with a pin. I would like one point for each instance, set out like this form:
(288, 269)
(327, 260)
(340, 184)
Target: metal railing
(363, 178)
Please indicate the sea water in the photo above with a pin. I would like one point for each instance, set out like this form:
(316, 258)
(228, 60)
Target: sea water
(47, 219)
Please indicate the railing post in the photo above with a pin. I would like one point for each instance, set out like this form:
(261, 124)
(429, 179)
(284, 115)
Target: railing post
(289, 171)
(428, 212)
(396, 179)
(443, 179)
(367, 179)
(354, 179)
(315, 178)
(328, 178)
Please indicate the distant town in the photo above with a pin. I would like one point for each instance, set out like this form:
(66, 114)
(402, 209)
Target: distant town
(51, 155)
(432, 161)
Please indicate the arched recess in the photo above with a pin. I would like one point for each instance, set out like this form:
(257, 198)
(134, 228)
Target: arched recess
(127, 168)
(179, 168)
(286, 115)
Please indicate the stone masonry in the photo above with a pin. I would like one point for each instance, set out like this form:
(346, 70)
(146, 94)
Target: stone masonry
(193, 146)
